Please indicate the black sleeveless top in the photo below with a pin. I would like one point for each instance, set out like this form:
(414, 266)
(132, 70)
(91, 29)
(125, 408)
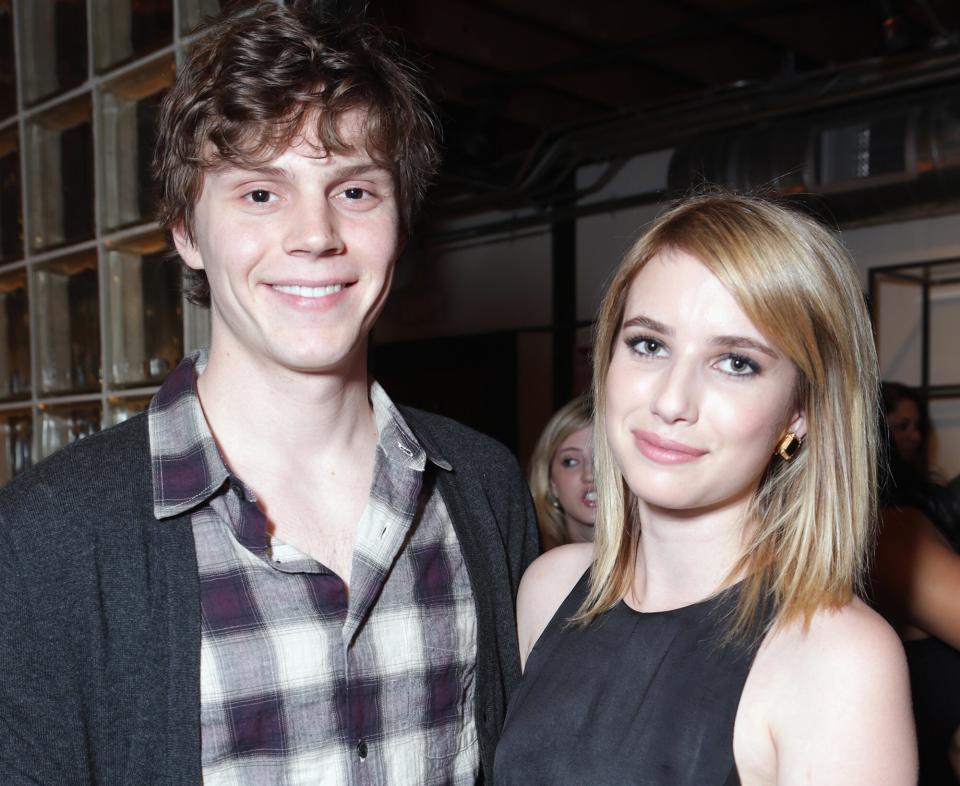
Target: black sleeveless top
(633, 698)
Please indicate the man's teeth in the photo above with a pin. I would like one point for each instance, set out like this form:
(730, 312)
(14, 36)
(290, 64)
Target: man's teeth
(294, 289)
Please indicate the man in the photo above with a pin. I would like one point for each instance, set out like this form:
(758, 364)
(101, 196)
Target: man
(275, 575)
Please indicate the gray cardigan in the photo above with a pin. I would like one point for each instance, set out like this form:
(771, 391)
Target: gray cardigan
(99, 603)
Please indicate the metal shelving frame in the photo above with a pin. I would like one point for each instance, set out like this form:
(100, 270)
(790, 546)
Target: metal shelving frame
(195, 321)
(927, 276)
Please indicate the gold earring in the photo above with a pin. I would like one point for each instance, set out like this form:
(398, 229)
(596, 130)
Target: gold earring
(789, 446)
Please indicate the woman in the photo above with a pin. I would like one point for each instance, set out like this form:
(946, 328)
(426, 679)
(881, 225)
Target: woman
(714, 634)
(910, 482)
(561, 476)
(916, 582)
(906, 415)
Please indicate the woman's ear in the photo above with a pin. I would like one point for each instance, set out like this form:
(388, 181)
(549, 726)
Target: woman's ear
(798, 425)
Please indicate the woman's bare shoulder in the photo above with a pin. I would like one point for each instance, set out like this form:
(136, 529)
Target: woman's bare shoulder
(833, 634)
(833, 694)
(543, 588)
(844, 648)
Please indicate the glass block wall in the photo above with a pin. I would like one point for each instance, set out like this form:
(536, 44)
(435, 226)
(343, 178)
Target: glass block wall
(91, 314)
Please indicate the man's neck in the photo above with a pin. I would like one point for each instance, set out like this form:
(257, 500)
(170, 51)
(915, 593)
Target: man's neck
(305, 444)
(267, 419)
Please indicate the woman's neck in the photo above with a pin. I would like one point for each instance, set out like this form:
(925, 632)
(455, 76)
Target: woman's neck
(685, 556)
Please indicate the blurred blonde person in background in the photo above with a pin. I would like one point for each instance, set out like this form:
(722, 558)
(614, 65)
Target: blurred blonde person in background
(561, 476)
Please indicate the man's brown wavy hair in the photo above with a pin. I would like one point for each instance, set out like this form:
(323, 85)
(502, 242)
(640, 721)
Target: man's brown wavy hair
(256, 75)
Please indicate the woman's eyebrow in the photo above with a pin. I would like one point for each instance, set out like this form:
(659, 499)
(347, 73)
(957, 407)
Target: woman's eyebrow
(743, 341)
(647, 322)
(641, 320)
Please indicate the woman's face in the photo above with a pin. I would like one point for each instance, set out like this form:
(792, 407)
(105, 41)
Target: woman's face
(697, 398)
(904, 425)
(571, 482)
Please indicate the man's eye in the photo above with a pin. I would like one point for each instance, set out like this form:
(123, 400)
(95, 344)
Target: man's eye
(260, 196)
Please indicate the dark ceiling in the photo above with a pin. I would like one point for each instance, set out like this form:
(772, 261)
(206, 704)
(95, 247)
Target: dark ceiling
(511, 75)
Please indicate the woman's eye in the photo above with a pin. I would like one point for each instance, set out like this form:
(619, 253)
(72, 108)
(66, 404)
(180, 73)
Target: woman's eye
(738, 365)
(569, 462)
(649, 347)
(354, 193)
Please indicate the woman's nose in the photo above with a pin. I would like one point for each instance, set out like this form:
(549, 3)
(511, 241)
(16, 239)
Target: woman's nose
(675, 397)
(587, 470)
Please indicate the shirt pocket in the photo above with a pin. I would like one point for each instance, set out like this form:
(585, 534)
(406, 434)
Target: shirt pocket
(450, 710)
(445, 700)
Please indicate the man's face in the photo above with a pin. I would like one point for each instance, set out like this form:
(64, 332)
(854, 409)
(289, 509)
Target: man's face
(299, 253)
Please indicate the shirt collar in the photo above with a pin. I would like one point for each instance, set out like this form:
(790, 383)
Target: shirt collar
(187, 466)
(396, 436)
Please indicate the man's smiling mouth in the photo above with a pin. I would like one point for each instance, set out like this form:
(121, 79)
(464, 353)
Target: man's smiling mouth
(301, 291)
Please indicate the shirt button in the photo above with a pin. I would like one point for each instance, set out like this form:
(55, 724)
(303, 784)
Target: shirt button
(362, 750)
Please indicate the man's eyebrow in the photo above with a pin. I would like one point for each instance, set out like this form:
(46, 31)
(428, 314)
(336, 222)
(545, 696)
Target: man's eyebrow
(268, 171)
(647, 322)
(746, 343)
(254, 171)
(356, 170)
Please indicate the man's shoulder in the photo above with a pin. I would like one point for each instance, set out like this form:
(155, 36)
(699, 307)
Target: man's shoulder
(95, 469)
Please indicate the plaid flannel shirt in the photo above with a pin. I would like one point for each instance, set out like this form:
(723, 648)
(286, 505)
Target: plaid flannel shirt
(303, 682)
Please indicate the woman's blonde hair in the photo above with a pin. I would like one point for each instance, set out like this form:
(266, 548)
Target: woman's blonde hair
(815, 514)
(567, 420)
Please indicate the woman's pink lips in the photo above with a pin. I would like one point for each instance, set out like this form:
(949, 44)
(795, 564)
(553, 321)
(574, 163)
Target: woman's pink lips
(665, 451)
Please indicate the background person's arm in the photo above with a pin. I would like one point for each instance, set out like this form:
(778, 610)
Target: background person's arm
(917, 575)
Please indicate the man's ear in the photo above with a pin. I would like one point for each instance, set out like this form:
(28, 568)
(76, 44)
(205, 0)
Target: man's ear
(186, 248)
